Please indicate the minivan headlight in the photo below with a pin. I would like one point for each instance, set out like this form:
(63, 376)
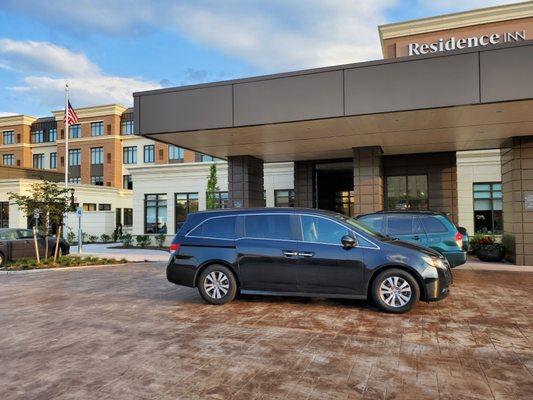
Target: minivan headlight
(434, 262)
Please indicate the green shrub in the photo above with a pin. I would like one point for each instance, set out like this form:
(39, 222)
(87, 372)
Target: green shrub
(105, 238)
(143, 240)
(93, 238)
(160, 239)
(84, 237)
(71, 236)
(126, 239)
(509, 243)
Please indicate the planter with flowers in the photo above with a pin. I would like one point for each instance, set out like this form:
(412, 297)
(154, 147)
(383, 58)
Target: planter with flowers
(486, 248)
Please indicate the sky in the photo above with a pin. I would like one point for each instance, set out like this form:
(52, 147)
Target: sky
(108, 49)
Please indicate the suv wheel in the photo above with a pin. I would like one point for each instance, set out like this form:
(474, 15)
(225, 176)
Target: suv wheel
(217, 284)
(395, 291)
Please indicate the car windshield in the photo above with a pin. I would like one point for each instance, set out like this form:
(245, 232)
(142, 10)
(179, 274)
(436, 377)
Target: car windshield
(361, 227)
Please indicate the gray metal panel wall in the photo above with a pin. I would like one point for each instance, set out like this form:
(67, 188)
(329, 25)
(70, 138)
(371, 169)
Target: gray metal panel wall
(427, 83)
(507, 74)
(202, 108)
(293, 98)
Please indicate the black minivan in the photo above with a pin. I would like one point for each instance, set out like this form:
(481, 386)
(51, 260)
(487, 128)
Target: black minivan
(302, 252)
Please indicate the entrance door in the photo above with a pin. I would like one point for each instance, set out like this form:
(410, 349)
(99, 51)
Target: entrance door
(334, 187)
(325, 265)
(268, 253)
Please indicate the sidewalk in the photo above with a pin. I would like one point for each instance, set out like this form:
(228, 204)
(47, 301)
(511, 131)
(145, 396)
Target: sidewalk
(488, 266)
(107, 250)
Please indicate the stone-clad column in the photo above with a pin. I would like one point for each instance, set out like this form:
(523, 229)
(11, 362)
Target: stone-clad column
(245, 182)
(517, 180)
(367, 180)
(304, 184)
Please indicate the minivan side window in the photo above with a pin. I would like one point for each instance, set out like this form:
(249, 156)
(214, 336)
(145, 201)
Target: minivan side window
(321, 230)
(433, 225)
(269, 226)
(217, 228)
(374, 222)
(403, 225)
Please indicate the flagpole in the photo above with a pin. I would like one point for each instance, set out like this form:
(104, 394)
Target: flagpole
(66, 136)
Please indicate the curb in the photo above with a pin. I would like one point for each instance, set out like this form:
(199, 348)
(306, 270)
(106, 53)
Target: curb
(80, 267)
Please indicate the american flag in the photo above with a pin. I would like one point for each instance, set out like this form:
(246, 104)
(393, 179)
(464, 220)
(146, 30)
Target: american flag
(70, 115)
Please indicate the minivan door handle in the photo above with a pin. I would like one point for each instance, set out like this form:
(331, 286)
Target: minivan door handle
(306, 254)
(290, 253)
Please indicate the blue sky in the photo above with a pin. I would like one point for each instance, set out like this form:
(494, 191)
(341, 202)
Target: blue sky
(107, 49)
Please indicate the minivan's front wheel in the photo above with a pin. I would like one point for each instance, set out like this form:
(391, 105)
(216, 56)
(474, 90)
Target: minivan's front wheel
(395, 291)
(217, 284)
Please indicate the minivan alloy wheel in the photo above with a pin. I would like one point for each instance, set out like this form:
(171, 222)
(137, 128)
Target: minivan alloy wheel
(395, 291)
(216, 284)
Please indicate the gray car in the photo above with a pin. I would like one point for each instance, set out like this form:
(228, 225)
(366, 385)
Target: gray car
(18, 243)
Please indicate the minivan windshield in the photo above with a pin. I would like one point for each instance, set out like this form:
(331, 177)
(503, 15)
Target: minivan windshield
(361, 227)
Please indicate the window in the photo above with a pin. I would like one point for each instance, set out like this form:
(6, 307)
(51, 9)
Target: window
(403, 225)
(344, 201)
(104, 207)
(89, 206)
(129, 155)
(185, 203)
(268, 227)
(374, 222)
(155, 213)
(8, 159)
(97, 155)
(53, 160)
(149, 153)
(97, 128)
(220, 199)
(488, 214)
(4, 214)
(74, 131)
(38, 161)
(97, 180)
(204, 157)
(219, 228)
(127, 183)
(8, 137)
(175, 153)
(128, 216)
(74, 157)
(284, 198)
(126, 128)
(74, 179)
(37, 137)
(322, 230)
(407, 192)
(432, 224)
(52, 135)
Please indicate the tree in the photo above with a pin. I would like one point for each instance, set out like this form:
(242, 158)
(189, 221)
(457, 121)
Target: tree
(50, 199)
(212, 188)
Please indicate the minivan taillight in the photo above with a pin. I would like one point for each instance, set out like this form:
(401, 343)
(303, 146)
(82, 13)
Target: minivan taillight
(459, 240)
(174, 247)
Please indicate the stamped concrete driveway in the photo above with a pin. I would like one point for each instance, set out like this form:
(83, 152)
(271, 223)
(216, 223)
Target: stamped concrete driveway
(123, 332)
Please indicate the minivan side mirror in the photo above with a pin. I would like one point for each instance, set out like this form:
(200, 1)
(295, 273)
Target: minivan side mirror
(348, 242)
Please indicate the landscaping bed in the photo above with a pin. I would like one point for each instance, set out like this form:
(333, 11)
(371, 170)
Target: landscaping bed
(61, 262)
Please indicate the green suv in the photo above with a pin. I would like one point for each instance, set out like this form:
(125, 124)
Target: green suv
(426, 228)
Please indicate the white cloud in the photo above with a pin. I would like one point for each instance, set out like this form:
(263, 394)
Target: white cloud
(7, 114)
(273, 35)
(47, 67)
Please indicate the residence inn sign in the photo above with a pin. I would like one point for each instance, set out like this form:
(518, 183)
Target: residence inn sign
(453, 43)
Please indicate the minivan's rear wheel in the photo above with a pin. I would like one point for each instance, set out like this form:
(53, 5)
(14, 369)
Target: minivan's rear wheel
(395, 291)
(217, 284)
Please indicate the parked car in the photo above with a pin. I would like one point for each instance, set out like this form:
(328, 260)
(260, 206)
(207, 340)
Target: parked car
(301, 252)
(426, 228)
(466, 238)
(19, 243)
